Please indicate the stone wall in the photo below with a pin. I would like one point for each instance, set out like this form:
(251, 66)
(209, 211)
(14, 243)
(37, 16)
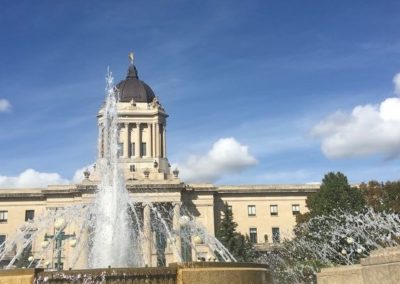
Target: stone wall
(159, 275)
(222, 273)
(382, 266)
(18, 276)
(176, 273)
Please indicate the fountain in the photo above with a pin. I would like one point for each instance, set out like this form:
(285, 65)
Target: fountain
(325, 241)
(112, 229)
(112, 234)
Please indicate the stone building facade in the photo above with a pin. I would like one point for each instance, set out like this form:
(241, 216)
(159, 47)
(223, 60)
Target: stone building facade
(264, 212)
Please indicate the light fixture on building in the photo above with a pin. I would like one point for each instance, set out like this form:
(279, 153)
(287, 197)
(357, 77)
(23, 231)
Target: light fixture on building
(59, 224)
(184, 220)
(45, 244)
(73, 242)
(59, 237)
(197, 240)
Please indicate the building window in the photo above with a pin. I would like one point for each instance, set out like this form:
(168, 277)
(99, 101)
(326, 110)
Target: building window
(29, 215)
(253, 235)
(295, 209)
(143, 149)
(2, 239)
(132, 168)
(133, 149)
(274, 210)
(120, 150)
(251, 210)
(276, 235)
(3, 216)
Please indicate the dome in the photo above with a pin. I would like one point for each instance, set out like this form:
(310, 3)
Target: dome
(133, 88)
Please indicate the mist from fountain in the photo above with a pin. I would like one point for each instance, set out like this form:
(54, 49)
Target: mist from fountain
(110, 227)
(323, 241)
(113, 236)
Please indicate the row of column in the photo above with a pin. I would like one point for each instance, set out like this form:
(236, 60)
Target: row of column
(147, 247)
(156, 137)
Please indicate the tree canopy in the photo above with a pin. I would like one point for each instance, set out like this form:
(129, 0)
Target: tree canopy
(335, 194)
(238, 245)
(382, 196)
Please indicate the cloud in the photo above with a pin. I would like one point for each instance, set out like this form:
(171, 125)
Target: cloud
(396, 82)
(367, 130)
(4, 105)
(31, 179)
(226, 156)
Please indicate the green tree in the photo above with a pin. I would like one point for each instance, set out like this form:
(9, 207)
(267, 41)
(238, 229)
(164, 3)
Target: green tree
(238, 245)
(23, 258)
(244, 249)
(382, 196)
(335, 194)
(226, 232)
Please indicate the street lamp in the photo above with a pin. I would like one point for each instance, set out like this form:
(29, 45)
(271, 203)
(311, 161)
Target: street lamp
(184, 222)
(59, 237)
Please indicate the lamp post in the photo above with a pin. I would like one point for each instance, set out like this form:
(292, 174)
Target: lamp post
(183, 222)
(59, 237)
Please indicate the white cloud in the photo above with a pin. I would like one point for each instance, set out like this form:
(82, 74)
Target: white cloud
(31, 179)
(396, 82)
(4, 105)
(368, 129)
(226, 156)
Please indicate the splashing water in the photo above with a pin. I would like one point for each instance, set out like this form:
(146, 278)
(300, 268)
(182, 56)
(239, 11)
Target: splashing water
(112, 226)
(109, 227)
(324, 241)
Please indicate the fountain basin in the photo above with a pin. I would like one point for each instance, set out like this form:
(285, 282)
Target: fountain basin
(175, 273)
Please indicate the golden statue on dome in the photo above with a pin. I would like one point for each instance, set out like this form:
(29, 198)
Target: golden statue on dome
(131, 57)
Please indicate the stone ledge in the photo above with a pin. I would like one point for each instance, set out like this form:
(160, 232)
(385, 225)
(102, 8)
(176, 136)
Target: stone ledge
(382, 256)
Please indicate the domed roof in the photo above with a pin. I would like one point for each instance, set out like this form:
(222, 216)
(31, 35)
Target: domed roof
(133, 88)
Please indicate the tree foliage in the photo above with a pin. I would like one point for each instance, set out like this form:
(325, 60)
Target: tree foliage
(382, 196)
(335, 194)
(343, 225)
(342, 238)
(238, 245)
(23, 258)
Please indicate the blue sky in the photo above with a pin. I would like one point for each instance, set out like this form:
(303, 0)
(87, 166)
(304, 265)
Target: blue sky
(282, 78)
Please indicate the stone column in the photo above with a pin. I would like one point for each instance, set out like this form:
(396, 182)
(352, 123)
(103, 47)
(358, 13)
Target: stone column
(164, 137)
(153, 142)
(126, 141)
(177, 230)
(148, 144)
(147, 235)
(137, 142)
(157, 140)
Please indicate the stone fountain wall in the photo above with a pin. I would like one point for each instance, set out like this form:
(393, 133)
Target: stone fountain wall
(20, 276)
(381, 267)
(176, 273)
